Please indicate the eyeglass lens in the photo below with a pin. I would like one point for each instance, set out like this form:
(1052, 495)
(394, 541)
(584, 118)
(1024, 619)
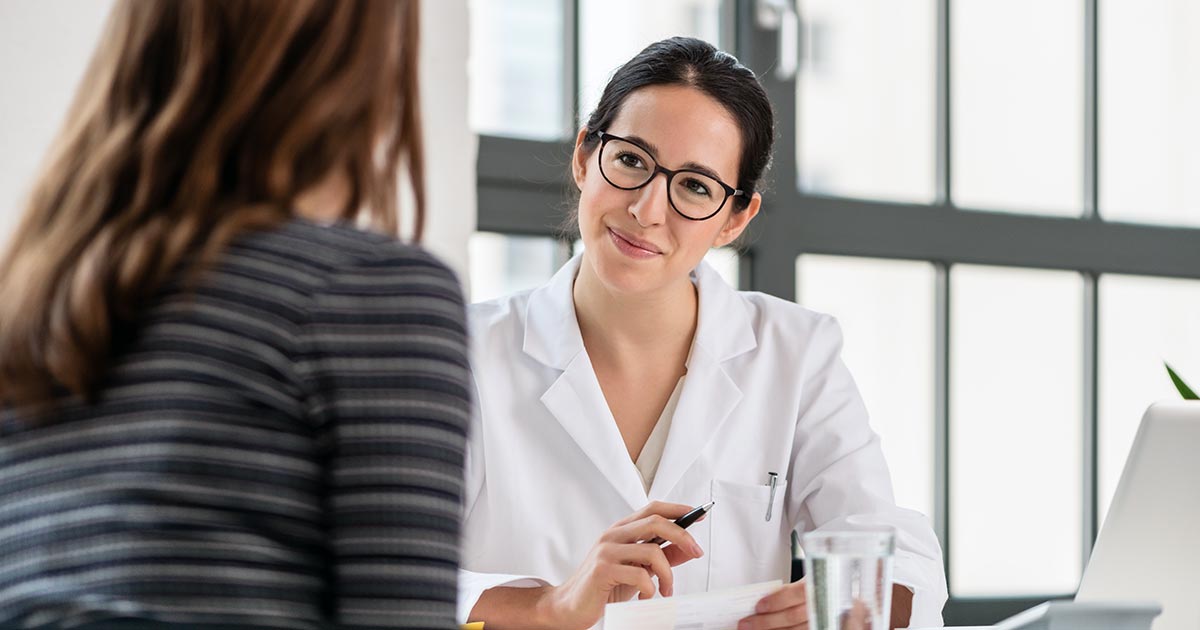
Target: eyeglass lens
(627, 166)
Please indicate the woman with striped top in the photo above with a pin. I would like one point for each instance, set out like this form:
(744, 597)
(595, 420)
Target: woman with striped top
(221, 404)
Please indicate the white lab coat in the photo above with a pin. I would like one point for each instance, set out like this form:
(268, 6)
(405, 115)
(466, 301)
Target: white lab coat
(765, 391)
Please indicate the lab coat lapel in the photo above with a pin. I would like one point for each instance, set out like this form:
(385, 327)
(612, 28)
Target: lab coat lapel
(578, 403)
(575, 399)
(723, 331)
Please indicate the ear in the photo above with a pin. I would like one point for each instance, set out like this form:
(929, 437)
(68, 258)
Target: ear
(579, 159)
(737, 222)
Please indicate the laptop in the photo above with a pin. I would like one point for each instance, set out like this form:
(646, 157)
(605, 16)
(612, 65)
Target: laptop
(1149, 546)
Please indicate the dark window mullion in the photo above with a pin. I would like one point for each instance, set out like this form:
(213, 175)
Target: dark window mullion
(943, 188)
(1091, 208)
(941, 432)
(1090, 435)
(942, 455)
(732, 22)
(1091, 102)
(728, 27)
(771, 256)
(571, 68)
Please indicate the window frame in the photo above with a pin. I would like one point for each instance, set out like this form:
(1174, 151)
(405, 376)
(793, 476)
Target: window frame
(523, 188)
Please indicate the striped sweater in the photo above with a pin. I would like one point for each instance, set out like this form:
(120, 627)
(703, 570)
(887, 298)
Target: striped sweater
(281, 447)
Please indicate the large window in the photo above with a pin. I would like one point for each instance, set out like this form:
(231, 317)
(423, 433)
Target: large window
(997, 198)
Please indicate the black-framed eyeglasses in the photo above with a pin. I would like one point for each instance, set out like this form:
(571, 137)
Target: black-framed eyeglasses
(693, 194)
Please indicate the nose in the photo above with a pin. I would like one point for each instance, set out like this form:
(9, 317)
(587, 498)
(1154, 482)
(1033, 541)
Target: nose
(652, 203)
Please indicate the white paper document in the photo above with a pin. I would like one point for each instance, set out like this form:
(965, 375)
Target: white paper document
(714, 610)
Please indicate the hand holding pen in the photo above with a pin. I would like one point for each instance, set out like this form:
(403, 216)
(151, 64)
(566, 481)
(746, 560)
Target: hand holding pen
(620, 565)
(686, 521)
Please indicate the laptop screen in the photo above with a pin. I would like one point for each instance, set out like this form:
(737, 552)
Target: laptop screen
(1149, 546)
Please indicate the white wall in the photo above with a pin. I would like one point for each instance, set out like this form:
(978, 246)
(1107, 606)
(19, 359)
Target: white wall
(450, 144)
(45, 46)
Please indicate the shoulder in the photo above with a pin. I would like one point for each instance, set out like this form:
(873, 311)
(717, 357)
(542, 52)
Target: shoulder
(340, 276)
(777, 316)
(338, 258)
(783, 328)
(352, 250)
(500, 318)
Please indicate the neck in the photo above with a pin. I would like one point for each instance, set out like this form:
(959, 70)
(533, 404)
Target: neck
(325, 201)
(622, 327)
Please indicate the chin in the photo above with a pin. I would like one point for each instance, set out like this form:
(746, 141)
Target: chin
(623, 275)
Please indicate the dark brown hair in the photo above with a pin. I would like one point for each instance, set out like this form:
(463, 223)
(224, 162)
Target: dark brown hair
(198, 120)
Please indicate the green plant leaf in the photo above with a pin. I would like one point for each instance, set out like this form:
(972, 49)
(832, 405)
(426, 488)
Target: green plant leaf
(1184, 390)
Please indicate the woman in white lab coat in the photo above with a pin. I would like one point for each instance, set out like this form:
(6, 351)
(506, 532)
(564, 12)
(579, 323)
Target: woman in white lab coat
(637, 384)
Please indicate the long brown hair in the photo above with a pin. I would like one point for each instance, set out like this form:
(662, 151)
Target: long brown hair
(198, 120)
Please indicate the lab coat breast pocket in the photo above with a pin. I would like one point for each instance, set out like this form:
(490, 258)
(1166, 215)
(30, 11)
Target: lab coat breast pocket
(745, 547)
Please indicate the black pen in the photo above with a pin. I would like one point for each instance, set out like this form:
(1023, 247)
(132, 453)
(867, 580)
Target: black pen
(686, 520)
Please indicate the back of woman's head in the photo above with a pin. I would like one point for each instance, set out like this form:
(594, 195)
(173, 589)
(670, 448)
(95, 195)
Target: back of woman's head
(198, 120)
(695, 63)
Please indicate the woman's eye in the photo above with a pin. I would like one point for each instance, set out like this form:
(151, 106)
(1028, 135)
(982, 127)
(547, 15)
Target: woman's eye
(630, 160)
(696, 188)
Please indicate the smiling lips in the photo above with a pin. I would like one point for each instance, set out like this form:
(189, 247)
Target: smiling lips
(633, 247)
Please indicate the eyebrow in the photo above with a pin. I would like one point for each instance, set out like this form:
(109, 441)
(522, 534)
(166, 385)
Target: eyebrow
(687, 166)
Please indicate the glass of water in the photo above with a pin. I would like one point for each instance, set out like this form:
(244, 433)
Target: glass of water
(849, 579)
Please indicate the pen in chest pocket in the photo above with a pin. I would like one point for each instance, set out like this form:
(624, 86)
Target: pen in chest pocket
(773, 481)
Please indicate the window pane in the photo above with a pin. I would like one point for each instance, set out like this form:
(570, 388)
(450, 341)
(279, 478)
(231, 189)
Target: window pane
(886, 309)
(1016, 370)
(503, 264)
(865, 99)
(1017, 105)
(1143, 322)
(1149, 96)
(516, 68)
(612, 31)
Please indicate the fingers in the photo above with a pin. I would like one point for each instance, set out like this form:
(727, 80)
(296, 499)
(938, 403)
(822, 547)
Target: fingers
(647, 558)
(636, 577)
(653, 560)
(671, 511)
(618, 548)
(654, 526)
(856, 617)
(791, 595)
(676, 555)
(785, 608)
(795, 618)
